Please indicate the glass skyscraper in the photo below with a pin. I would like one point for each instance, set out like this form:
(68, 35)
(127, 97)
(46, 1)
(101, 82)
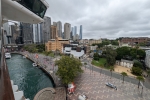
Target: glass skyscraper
(80, 31)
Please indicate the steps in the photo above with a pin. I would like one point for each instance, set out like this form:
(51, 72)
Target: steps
(19, 95)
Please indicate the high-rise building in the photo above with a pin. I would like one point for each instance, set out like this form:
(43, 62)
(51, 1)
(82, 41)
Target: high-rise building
(53, 31)
(15, 35)
(37, 33)
(67, 28)
(55, 23)
(6, 33)
(59, 28)
(80, 31)
(71, 33)
(27, 33)
(46, 29)
(75, 30)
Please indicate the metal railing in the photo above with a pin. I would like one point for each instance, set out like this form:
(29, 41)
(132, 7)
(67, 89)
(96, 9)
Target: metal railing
(6, 92)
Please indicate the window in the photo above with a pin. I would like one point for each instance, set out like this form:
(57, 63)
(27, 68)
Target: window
(36, 6)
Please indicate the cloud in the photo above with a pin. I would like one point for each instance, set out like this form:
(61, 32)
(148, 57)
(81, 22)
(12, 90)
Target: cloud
(104, 18)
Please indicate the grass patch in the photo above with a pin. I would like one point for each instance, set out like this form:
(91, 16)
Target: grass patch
(100, 63)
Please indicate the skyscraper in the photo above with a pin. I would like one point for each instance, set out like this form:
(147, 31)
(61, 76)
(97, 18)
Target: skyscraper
(75, 30)
(37, 33)
(80, 32)
(53, 31)
(67, 30)
(59, 28)
(46, 29)
(27, 33)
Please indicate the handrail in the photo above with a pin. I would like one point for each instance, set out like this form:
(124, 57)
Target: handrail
(6, 92)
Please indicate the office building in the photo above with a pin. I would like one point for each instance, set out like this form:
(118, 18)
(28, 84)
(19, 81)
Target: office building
(15, 34)
(37, 33)
(56, 44)
(80, 32)
(27, 33)
(46, 29)
(59, 29)
(67, 30)
(53, 31)
(6, 33)
(75, 30)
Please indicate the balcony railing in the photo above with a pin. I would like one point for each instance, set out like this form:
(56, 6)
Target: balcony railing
(6, 92)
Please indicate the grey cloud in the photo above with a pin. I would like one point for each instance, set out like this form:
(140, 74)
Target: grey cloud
(104, 18)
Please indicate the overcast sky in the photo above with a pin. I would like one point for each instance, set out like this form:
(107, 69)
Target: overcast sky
(104, 18)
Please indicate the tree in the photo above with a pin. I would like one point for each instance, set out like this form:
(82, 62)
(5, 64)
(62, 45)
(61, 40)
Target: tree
(140, 78)
(85, 65)
(122, 52)
(137, 64)
(68, 68)
(96, 56)
(123, 75)
(110, 56)
(111, 69)
(136, 71)
(114, 42)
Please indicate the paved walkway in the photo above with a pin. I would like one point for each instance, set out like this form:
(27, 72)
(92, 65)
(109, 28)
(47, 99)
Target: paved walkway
(93, 86)
(48, 64)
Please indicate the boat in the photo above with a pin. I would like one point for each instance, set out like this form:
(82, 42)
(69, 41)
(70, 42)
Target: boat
(24, 56)
(7, 55)
(34, 64)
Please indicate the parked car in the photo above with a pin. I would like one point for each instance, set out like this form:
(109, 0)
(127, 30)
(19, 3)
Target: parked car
(111, 85)
(82, 97)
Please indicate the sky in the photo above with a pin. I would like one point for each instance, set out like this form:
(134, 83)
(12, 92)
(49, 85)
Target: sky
(103, 18)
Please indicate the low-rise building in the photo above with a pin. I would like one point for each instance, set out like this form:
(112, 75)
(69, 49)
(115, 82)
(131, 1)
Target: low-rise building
(125, 63)
(147, 58)
(93, 41)
(56, 44)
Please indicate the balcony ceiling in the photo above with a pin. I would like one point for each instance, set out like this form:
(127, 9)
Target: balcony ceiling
(11, 10)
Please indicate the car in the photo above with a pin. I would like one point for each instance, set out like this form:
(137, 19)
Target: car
(111, 85)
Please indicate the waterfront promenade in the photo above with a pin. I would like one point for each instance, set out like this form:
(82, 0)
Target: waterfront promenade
(47, 64)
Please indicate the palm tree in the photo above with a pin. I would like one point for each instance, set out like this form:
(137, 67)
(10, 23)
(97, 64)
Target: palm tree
(111, 69)
(123, 75)
(140, 78)
(85, 65)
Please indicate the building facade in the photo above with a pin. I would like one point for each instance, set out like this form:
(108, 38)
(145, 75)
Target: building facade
(56, 44)
(133, 41)
(59, 29)
(80, 32)
(93, 41)
(15, 34)
(125, 63)
(53, 31)
(67, 30)
(147, 58)
(46, 29)
(27, 33)
(75, 30)
(37, 32)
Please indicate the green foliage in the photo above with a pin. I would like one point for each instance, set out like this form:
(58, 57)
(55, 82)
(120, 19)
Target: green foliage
(133, 53)
(110, 56)
(68, 68)
(31, 48)
(142, 44)
(114, 42)
(122, 52)
(96, 56)
(137, 64)
(140, 78)
(124, 74)
(101, 62)
(40, 47)
(136, 71)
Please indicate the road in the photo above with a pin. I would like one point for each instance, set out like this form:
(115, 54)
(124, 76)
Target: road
(114, 74)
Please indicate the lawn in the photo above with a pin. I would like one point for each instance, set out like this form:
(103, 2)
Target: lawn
(101, 63)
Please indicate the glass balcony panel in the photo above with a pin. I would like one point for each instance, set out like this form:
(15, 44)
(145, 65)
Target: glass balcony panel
(36, 6)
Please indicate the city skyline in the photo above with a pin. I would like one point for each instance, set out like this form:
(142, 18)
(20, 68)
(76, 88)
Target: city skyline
(115, 18)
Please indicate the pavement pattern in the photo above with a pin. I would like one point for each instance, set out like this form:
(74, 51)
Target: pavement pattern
(93, 86)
